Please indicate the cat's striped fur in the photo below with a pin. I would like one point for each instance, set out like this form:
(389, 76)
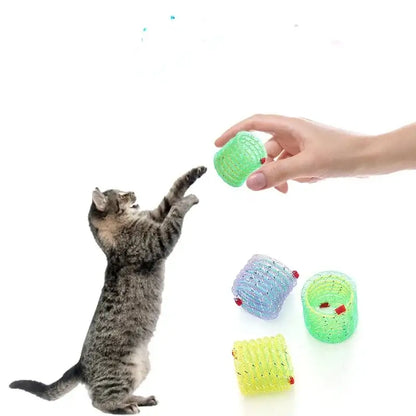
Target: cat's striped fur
(114, 359)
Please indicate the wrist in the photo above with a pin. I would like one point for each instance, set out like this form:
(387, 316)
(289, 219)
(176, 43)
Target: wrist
(387, 153)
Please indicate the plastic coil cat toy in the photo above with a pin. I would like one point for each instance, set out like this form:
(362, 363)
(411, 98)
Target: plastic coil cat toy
(263, 285)
(242, 155)
(263, 365)
(330, 306)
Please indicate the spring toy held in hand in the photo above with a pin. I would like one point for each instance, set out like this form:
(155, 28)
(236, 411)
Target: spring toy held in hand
(241, 156)
(330, 306)
(263, 365)
(263, 285)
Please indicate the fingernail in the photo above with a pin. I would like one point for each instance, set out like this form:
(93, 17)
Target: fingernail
(256, 181)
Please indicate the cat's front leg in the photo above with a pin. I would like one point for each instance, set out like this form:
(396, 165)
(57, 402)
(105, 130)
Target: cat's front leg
(183, 205)
(176, 193)
(171, 227)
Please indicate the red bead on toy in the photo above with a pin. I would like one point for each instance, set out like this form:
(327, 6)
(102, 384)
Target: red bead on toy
(291, 380)
(262, 160)
(238, 301)
(324, 305)
(295, 274)
(340, 309)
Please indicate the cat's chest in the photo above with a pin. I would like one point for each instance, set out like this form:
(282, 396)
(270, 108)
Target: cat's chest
(106, 236)
(132, 296)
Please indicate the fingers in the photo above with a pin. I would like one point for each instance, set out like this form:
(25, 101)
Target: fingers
(284, 187)
(273, 148)
(279, 172)
(267, 123)
(307, 180)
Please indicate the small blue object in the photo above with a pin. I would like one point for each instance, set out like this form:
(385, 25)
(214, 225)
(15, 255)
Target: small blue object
(172, 18)
(263, 285)
(144, 29)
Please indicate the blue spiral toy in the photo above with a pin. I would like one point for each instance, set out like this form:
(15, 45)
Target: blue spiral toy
(263, 285)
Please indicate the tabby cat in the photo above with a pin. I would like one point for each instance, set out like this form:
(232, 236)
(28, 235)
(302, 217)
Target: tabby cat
(114, 358)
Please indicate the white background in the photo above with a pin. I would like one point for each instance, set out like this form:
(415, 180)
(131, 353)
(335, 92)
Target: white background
(90, 99)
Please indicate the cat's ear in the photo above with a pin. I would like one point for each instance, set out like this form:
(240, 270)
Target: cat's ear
(99, 199)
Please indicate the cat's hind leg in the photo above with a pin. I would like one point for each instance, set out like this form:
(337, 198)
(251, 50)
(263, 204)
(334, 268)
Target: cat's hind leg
(113, 395)
(128, 406)
(145, 401)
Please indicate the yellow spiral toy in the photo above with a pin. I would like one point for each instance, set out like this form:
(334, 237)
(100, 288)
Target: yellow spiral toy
(263, 365)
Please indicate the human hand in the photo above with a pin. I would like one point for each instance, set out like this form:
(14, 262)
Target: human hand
(301, 150)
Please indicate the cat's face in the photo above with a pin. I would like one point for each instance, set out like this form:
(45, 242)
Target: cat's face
(114, 204)
(111, 212)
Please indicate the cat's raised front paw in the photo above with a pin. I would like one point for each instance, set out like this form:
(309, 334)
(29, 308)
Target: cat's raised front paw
(201, 170)
(195, 173)
(191, 200)
(184, 205)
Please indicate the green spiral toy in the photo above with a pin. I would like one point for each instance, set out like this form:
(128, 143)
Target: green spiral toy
(329, 302)
(241, 156)
(263, 365)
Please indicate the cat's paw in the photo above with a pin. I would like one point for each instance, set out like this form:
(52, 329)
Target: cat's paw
(128, 409)
(147, 401)
(200, 170)
(194, 174)
(190, 200)
(184, 205)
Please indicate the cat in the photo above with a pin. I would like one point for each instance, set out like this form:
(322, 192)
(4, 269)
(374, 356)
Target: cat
(114, 358)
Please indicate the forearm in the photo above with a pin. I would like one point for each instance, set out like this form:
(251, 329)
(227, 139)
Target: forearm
(388, 152)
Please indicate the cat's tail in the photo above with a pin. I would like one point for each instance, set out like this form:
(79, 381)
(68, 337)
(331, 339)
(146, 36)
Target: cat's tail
(52, 391)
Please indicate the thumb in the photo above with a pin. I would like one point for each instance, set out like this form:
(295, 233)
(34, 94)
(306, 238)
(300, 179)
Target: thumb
(278, 172)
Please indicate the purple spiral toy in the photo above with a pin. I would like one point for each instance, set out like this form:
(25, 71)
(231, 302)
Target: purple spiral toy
(263, 285)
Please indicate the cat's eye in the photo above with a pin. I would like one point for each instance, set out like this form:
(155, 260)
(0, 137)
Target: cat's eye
(124, 197)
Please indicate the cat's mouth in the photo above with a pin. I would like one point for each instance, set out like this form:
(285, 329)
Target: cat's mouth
(134, 206)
